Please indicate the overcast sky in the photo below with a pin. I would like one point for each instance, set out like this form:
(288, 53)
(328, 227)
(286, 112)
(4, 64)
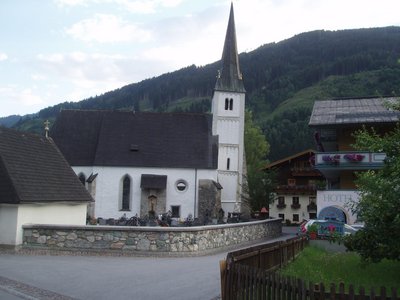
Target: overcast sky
(53, 51)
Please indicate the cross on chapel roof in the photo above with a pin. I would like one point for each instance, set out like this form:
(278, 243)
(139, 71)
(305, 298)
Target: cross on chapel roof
(46, 128)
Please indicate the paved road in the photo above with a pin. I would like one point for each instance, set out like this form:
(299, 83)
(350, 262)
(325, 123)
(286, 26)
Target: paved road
(99, 277)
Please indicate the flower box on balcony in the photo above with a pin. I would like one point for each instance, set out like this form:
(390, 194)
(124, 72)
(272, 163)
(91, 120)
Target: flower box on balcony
(331, 159)
(295, 205)
(354, 157)
(281, 205)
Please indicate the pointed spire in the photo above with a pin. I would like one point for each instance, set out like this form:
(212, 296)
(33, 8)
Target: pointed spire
(229, 77)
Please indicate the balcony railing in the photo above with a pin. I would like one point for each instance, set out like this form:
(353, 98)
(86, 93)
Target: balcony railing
(312, 207)
(295, 205)
(281, 205)
(296, 189)
(349, 160)
(304, 172)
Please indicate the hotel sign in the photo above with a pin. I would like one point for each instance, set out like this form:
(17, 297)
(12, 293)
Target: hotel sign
(339, 197)
(342, 199)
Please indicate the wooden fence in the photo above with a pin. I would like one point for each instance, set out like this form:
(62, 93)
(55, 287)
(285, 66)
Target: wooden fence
(269, 257)
(249, 274)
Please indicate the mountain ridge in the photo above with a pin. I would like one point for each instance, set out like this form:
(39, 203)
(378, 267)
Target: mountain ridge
(278, 77)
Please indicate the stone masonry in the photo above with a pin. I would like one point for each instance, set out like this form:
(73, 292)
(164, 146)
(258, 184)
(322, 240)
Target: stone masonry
(191, 240)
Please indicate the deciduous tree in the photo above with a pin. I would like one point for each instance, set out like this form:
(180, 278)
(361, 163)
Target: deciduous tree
(259, 184)
(379, 204)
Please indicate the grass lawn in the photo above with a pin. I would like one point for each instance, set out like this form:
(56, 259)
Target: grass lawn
(318, 265)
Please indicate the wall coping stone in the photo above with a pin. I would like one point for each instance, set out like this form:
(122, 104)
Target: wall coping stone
(147, 228)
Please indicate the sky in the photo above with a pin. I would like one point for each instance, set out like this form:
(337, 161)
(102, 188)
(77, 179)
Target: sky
(52, 51)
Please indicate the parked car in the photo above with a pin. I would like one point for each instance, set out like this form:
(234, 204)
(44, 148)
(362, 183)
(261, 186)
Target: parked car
(327, 227)
(351, 229)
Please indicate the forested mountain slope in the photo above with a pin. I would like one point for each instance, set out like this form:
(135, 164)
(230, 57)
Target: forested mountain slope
(282, 82)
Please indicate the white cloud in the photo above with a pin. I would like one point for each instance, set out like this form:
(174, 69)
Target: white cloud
(260, 21)
(68, 2)
(3, 56)
(147, 6)
(87, 74)
(136, 6)
(25, 99)
(28, 98)
(38, 77)
(104, 28)
(81, 65)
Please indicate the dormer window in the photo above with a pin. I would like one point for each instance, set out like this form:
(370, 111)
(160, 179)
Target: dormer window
(82, 178)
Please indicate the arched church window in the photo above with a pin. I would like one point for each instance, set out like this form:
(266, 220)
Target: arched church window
(228, 163)
(82, 178)
(226, 103)
(231, 104)
(126, 193)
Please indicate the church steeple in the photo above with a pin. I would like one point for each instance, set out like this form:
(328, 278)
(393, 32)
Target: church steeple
(227, 108)
(230, 78)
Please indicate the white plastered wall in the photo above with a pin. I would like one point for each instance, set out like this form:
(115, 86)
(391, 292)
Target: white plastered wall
(288, 211)
(8, 224)
(229, 126)
(108, 188)
(12, 217)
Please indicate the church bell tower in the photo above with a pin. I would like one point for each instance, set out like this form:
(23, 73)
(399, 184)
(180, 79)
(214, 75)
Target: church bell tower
(228, 104)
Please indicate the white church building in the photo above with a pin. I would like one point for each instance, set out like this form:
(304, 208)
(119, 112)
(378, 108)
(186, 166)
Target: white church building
(144, 162)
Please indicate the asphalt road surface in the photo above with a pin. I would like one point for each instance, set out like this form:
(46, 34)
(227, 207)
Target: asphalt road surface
(36, 277)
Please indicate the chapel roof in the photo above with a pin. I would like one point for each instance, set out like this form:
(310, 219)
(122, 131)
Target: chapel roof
(230, 77)
(141, 139)
(33, 170)
(353, 111)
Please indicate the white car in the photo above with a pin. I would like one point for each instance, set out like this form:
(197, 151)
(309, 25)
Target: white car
(347, 229)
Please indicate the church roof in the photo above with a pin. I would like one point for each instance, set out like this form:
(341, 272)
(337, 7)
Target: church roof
(128, 139)
(32, 169)
(353, 111)
(230, 78)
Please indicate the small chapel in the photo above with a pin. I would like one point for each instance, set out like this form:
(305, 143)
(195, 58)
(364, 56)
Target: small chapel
(136, 163)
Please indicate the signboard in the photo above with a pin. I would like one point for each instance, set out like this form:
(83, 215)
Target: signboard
(329, 227)
(339, 203)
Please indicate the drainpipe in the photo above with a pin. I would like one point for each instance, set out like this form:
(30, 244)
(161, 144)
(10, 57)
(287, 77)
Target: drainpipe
(195, 194)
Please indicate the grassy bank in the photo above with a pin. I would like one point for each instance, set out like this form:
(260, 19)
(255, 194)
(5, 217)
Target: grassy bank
(318, 265)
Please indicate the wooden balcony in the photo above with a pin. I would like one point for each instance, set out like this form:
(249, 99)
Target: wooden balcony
(296, 189)
(304, 172)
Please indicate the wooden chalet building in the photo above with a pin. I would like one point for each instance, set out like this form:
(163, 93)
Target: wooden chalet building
(335, 121)
(297, 188)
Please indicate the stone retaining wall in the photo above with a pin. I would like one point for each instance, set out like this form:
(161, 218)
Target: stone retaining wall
(189, 240)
